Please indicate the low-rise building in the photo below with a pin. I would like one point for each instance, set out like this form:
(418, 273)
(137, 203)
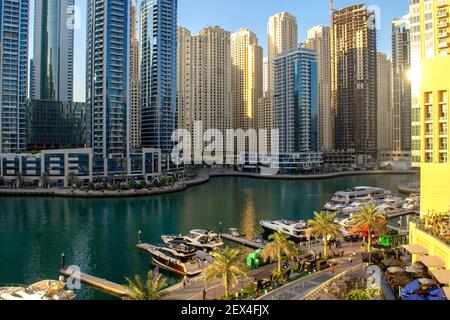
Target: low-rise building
(57, 168)
(288, 163)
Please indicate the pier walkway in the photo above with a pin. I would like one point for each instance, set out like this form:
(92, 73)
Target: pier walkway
(97, 283)
(242, 241)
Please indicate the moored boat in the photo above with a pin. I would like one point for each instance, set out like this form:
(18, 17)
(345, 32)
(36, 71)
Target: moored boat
(295, 230)
(174, 261)
(42, 290)
(198, 238)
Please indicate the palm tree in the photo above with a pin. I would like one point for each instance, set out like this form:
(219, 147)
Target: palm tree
(324, 225)
(371, 219)
(227, 266)
(280, 245)
(45, 179)
(71, 178)
(19, 179)
(148, 290)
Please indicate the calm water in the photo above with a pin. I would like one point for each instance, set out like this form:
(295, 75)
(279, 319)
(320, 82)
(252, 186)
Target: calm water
(99, 235)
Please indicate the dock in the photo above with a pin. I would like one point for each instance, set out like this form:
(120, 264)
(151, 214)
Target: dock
(97, 283)
(240, 240)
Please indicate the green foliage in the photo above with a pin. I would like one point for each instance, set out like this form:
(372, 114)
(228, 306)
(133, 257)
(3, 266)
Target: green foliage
(144, 184)
(145, 290)
(365, 294)
(91, 186)
(278, 247)
(227, 266)
(132, 184)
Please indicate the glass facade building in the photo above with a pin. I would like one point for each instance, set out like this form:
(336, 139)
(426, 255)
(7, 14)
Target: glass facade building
(158, 73)
(14, 24)
(52, 69)
(57, 125)
(295, 100)
(107, 83)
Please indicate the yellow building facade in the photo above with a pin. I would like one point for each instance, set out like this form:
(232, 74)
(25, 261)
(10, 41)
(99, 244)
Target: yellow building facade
(434, 109)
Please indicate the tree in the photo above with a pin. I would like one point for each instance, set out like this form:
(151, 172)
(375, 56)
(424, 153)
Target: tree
(148, 290)
(45, 177)
(144, 184)
(71, 178)
(227, 266)
(324, 225)
(278, 246)
(19, 180)
(372, 220)
(132, 184)
(91, 186)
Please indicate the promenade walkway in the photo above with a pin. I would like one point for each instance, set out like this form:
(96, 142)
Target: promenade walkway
(294, 290)
(299, 289)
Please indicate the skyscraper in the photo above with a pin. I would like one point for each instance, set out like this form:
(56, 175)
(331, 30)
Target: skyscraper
(158, 74)
(246, 79)
(135, 81)
(295, 100)
(14, 26)
(52, 72)
(204, 80)
(401, 98)
(431, 39)
(355, 79)
(422, 27)
(384, 100)
(434, 110)
(282, 33)
(107, 83)
(265, 75)
(319, 41)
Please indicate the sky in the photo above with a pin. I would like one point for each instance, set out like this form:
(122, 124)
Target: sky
(233, 15)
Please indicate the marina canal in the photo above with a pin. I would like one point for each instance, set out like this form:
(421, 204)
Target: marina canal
(99, 235)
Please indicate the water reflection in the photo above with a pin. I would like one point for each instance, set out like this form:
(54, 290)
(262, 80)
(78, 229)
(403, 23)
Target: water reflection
(248, 223)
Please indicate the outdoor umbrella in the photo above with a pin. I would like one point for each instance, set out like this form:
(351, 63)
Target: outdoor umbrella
(427, 282)
(415, 267)
(393, 270)
(401, 279)
(411, 288)
(392, 263)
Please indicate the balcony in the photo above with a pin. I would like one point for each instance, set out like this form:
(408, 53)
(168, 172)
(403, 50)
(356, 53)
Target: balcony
(442, 34)
(435, 224)
(442, 44)
(442, 14)
(442, 24)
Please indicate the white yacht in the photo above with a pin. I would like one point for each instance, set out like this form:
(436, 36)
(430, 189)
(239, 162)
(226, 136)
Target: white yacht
(187, 264)
(357, 195)
(43, 290)
(198, 238)
(295, 230)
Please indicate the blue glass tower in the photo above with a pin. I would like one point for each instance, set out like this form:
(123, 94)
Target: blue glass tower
(295, 100)
(14, 24)
(107, 89)
(158, 73)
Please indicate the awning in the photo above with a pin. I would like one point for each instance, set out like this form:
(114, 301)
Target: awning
(447, 292)
(415, 249)
(432, 261)
(442, 276)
